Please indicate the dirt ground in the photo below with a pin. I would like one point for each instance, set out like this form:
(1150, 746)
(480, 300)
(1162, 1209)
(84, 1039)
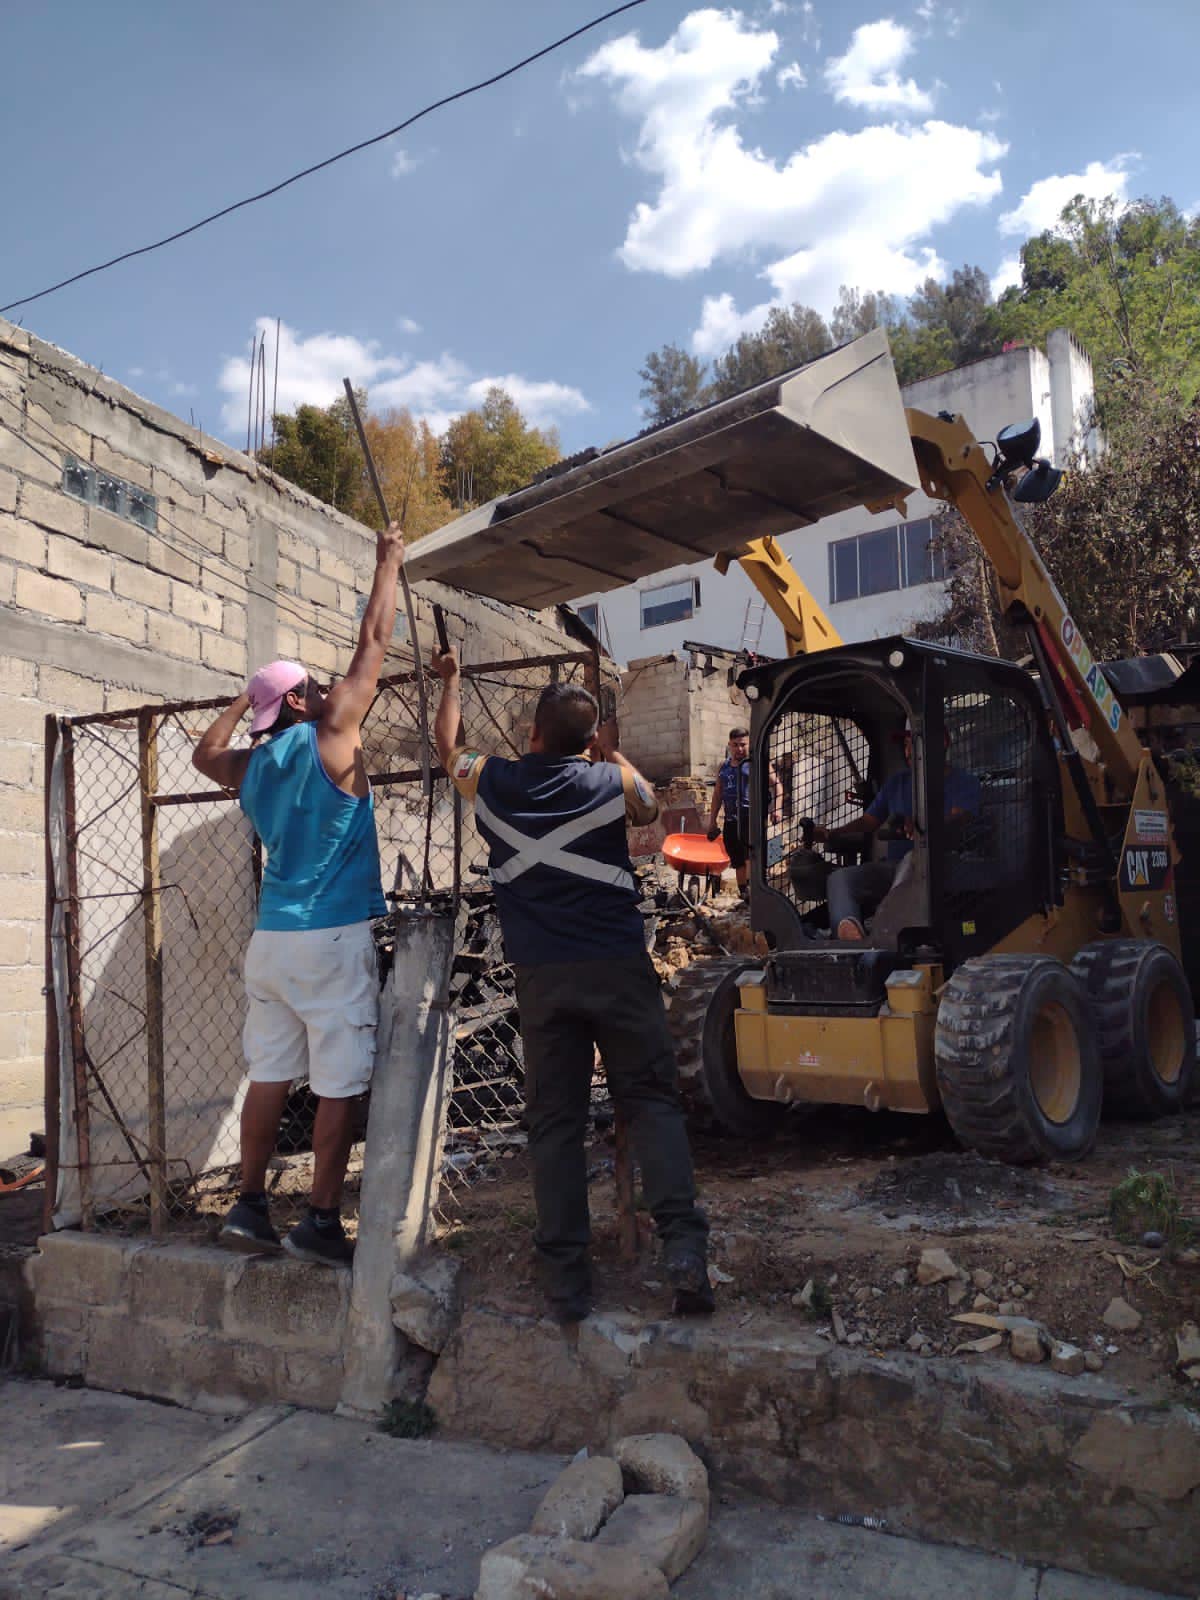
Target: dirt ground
(828, 1221)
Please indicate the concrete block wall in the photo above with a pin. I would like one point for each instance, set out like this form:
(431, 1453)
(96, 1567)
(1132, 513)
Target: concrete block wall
(98, 613)
(188, 1323)
(676, 711)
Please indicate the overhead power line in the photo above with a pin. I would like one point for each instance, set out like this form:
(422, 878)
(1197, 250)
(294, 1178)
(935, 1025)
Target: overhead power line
(363, 144)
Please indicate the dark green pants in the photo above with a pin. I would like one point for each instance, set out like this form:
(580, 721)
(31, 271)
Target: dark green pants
(567, 1010)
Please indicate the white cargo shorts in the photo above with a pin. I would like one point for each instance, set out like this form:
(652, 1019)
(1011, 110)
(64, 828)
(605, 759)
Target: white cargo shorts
(313, 1008)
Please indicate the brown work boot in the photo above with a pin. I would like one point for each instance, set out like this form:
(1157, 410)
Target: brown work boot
(849, 929)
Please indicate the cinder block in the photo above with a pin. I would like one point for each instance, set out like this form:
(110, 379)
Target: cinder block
(237, 550)
(321, 591)
(88, 1269)
(174, 637)
(182, 1283)
(51, 508)
(16, 767)
(23, 720)
(194, 530)
(288, 575)
(24, 899)
(119, 618)
(165, 557)
(226, 655)
(16, 676)
(8, 491)
(334, 567)
(67, 558)
(121, 465)
(194, 606)
(229, 515)
(13, 1028)
(117, 536)
(234, 626)
(49, 597)
(68, 692)
(169, 489)
(25, 543)
(301, 551)
(138, 583)
(289, 1303)
(43, 464)
(14, 946)
(217, 579)
(149, 1358)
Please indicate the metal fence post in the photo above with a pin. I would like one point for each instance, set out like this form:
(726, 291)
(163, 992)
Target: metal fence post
(53, 1058)
(152, 927)
(83, 1137)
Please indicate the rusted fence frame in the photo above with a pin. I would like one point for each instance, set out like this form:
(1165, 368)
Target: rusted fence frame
(53, 1056)
(152, 933)
(71, 919)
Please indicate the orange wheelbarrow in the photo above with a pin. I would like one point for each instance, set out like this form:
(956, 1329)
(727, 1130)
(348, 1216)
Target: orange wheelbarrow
(695, 856)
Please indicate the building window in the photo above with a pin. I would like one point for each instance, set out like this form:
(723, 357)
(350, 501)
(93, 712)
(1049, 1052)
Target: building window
(589, 616)
(671, 602)
(890, 558)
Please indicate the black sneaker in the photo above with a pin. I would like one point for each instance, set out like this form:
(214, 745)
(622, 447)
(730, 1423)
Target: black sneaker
(569, 1309)
(688, 1275)
(328, 1247)
(248, 1228)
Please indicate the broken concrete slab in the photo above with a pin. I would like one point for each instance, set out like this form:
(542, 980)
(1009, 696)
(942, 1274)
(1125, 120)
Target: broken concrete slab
(580, 1499)
(666, 1529)
(975, 1450)
(662, 1463)
(1119, 1314)
(935, 1266)
(425, 1300)
(533, 1568)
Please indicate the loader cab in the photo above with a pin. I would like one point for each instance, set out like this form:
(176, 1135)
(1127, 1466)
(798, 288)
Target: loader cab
(831, 727)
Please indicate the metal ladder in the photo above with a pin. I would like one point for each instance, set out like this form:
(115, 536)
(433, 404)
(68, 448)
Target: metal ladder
(752, 624)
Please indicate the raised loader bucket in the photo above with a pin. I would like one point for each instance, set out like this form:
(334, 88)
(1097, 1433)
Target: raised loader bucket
(821, 439)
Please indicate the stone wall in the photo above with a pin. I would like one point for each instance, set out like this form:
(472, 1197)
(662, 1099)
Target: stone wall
(230, 567)
(676, 711)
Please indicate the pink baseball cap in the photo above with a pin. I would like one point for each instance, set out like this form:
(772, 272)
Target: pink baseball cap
(267, 688)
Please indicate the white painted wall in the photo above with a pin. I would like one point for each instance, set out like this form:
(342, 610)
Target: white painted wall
(1011, 387)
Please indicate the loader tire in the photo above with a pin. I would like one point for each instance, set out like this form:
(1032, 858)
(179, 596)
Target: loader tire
(687, 999)
(733, 1109)
(1018, 1065)
(1145, 1023)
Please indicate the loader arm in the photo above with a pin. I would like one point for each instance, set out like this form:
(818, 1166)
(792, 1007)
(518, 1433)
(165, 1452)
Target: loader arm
(955, 467)
(805, 626)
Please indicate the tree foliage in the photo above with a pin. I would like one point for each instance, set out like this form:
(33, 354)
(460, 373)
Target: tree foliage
(315, 448)
(790, 337)
(491, 451)
(407, 456)
(672, 383)
(1126, 281)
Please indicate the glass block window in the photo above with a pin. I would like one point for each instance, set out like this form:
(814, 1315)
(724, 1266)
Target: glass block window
(84, 482)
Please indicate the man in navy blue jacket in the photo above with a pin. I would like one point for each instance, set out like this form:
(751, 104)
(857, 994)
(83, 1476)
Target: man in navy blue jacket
(555, 822)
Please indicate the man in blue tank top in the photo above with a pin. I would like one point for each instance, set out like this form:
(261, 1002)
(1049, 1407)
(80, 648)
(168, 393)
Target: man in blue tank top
(555, 822)
(312, 984)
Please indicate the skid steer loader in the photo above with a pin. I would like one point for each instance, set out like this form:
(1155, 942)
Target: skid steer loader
(1023, 969)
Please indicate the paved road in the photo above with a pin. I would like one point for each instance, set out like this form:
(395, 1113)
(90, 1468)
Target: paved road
(103, 1497)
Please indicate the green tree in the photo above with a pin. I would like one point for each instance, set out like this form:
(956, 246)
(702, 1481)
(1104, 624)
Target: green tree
(316, 449)
(790, 337)
(672, 383)
(857, 313)
(490, 451)
(1120, 538)
(1126, 281)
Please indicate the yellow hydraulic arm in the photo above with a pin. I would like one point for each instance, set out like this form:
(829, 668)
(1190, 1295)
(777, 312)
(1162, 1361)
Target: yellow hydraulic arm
(805, 626)
(955, 467)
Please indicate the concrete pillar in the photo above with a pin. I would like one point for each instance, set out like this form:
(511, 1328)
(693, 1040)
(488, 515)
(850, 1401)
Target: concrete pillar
(400, 1163)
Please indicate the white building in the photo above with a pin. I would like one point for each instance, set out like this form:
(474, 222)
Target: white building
(875, 575)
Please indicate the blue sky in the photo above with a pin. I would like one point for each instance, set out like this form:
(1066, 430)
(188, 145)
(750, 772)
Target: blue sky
(667, 177)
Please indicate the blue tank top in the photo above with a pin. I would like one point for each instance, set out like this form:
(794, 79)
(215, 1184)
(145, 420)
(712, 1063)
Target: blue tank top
(565, 889)
(322, 866)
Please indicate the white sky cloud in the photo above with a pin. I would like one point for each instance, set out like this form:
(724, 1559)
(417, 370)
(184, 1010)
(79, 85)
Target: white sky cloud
(867, 76)
(402, 163)
(793, 73)
(1042, 206)
(408, 325)
(1006, 276)
(853, 208)
(311, 372)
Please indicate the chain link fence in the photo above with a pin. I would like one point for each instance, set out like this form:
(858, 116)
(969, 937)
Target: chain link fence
(156, 877)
